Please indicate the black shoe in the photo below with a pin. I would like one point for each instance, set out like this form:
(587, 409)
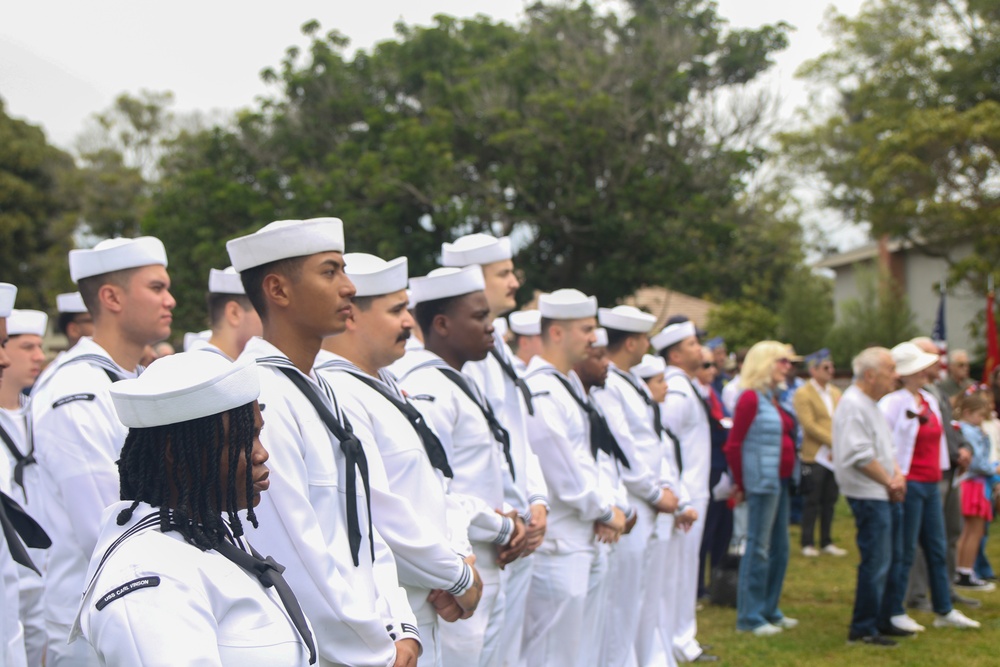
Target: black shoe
(872, 640)
(706, 657)
(893, 631)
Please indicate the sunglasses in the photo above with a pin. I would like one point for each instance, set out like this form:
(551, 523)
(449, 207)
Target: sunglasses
(784, 360)
(826, 367)
(707, 364)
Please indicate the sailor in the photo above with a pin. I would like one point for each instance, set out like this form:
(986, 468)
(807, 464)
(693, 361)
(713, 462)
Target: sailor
(232, 318)
(172, 581)
(11, 629)
(78, 437)
(526, 325)
(454, 314)
(560, 432)
(73, 321)
(687, 416)
(408, 466)
(18, 474)
(508, 395)
(635, 421)
(316, 517)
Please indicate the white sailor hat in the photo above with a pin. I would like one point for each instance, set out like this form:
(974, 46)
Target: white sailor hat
(70, 302)
(500, 327)
(600, 338)
(526, 322)
(626, 318)
(672, 335)
(567, 304)
(116, 255)
(27, 322)
(284, 239)
(446, 283)
(650, 366)
(226, 281)
(192, 337)
(475, 249)
(373, 276)
(7, 295)
(182, 387)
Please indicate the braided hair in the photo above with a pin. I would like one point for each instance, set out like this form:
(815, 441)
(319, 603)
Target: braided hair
(197, 447)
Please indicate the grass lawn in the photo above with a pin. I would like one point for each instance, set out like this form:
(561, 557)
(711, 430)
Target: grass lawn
(819, 592)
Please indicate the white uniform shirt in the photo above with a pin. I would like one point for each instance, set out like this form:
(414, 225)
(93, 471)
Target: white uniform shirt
(684, 414)
(204, 346)
(475, 457)
(631, 422)
(402, 480)
(158, 600)
(78, 438)
(359, 612)
(560, 436)
(508, 403)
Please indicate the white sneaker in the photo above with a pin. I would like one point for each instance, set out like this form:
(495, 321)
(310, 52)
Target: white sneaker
(834, 550)
(810, 552)
(786, 623)
(955, 619)
(765, 630)
(904, 622)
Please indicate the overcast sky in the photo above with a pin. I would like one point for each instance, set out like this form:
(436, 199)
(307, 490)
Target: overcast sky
(63, 60)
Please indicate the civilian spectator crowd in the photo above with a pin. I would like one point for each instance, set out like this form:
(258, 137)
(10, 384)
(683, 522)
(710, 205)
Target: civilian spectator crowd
(353, 466)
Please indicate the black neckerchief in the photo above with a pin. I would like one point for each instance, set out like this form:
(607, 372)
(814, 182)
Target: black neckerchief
(17, 526)
(20, 460)
(509, 371)
(647, 399)
(500, 434)
(601, 437)
(354, 453)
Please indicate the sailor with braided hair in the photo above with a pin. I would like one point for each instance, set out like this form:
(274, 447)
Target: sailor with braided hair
(172, 581)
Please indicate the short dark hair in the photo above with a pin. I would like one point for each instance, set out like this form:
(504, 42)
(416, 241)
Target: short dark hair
(544, 326)
(363, 303)
(90, 286)
(665, 352)
(63, 322)
(217, 305)
(617, 338)
(426, 311)
(197, 447)
(253, 279)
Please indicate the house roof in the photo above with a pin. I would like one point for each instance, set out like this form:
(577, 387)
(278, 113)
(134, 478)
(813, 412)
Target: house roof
(859, 254)
(665, 303)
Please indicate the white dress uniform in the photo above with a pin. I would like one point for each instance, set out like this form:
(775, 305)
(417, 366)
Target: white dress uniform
(429, 544)
(626, 403)
(202, 345)
(508, 402)
(358, 611)
(78, 438)
(685, 414)
(16, 425)
(155, 599)
(481, 477)
(560, 436)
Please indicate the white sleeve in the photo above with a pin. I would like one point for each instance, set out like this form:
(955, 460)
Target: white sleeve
(146, 627)
(315, 550)
(638, 478)
(570, 470)
(538, 491)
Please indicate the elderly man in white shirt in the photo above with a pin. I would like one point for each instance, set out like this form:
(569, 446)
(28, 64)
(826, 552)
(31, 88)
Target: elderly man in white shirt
(316, 517)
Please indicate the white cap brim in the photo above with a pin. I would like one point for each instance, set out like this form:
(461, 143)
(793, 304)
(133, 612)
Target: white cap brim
(567, 304)
(475, 249)
(21, 322)
(374, 276)
(672, 335)
(626, 318)
(70, 302)
(116, 255)
(285, 239)
(8, 294)
(446, 283)
(226, 281)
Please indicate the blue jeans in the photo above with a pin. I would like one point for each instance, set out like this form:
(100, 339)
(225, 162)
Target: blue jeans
(922, 519)
(873, 520)
(762, 568)
(983, 568)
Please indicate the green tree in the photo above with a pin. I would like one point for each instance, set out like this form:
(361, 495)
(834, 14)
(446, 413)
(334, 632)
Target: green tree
(806, 312)
(912, 146)
(38, 212)
(603, 142)
(880, 315)
(743, 323)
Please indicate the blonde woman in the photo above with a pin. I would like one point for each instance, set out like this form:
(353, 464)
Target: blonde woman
(761, 455)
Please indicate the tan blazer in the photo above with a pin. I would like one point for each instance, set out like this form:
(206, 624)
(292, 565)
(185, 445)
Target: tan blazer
(817, 423)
